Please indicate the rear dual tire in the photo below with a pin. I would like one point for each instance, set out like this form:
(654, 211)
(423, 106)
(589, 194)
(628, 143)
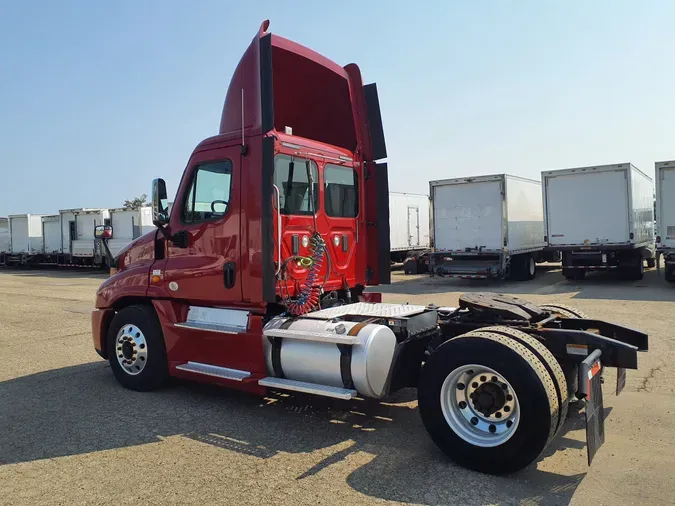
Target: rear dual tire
(524, 369)
(523, 267)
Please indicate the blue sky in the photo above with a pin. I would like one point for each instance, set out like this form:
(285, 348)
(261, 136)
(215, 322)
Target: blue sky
(99, 98)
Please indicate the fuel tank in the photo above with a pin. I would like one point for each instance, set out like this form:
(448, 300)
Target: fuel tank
(318, 362)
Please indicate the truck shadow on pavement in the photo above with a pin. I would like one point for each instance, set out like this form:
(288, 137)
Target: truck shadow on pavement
(82, 409)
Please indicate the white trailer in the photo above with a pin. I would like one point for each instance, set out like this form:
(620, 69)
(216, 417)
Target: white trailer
(25, 237)
(128, 224)
(51, 238)
(665, 217)
(486, 227)
(77, 235)
(600, 218)
(4, 239)
(408, 224)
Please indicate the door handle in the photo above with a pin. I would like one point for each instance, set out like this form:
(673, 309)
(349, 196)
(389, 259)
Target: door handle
(229, 274)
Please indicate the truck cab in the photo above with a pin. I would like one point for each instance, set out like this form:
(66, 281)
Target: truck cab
(284, 211)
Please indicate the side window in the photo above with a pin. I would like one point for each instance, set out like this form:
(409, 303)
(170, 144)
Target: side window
(209, 195)
(291, 179)
(341, 191)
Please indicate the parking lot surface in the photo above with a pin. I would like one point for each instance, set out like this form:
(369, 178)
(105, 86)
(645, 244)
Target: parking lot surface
(70, 434)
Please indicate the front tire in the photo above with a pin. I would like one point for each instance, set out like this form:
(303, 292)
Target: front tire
(473, 432)
(136, 349)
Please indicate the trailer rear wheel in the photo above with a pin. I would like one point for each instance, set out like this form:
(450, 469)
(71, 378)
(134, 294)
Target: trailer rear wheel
(488, 402)
(670, 273)
(136, 349)
(523, 267)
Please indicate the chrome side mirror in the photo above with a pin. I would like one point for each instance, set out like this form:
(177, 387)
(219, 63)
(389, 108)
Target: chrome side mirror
(103, 232)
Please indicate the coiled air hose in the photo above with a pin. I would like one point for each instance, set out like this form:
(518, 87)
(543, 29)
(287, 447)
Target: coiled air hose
(310, 293)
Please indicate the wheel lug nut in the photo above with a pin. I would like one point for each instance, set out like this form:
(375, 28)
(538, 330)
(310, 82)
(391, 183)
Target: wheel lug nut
(462, 405)
(474, 385)
(509, 397)
(474, 420)
(483, 378)
(493, 379)
(461, 386)
(507, 409)
(498, 414)
(505, 386)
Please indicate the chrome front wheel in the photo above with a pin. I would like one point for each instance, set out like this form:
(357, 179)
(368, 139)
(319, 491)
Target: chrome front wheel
(132, 349)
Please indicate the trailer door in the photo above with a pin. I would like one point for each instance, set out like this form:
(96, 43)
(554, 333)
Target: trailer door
(468, 216)
(413, 226)
(666, 203)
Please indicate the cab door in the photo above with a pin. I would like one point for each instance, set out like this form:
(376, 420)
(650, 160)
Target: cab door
(202, 256)
(340, 210)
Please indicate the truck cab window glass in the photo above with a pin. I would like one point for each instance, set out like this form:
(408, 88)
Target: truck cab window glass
(209, 195)
(291, 179)
(341, 191)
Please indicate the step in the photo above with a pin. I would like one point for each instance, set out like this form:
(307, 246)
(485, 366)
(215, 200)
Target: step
(308, 388)
(324, 337)
(214, 370)
(209, 327)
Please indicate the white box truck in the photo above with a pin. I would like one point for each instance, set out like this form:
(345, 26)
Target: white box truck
(25, 237)
(128, 224)
(78, 243)
(600, 218)
(4, 239)
(486, 227)
(665, 218)
(51, 238)
(408, 225)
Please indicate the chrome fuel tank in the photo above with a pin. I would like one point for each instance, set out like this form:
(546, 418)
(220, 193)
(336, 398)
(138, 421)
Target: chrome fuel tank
(318, 362)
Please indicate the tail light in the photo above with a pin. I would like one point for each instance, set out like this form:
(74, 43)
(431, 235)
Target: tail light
(658, 239)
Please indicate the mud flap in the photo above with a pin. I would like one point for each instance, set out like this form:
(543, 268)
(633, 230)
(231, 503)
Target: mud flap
(590, 387)
(620, 379)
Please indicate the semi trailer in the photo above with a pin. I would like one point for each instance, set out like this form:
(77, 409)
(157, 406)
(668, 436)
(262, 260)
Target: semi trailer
(25, 238)
(129, 224)
(51, 239)
(665, 218)
(4, 239)
(487, 227)
(408, 225)
(600, 218)
(258, 279)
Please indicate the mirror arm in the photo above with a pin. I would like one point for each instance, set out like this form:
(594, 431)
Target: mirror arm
(163, 230)
(111, 259)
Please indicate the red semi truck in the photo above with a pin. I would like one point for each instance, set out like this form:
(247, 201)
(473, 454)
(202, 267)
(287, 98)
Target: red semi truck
(256, 280)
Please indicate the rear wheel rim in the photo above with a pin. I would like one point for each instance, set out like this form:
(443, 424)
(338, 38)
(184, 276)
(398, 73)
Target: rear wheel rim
(131, 349)
(480, 405)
